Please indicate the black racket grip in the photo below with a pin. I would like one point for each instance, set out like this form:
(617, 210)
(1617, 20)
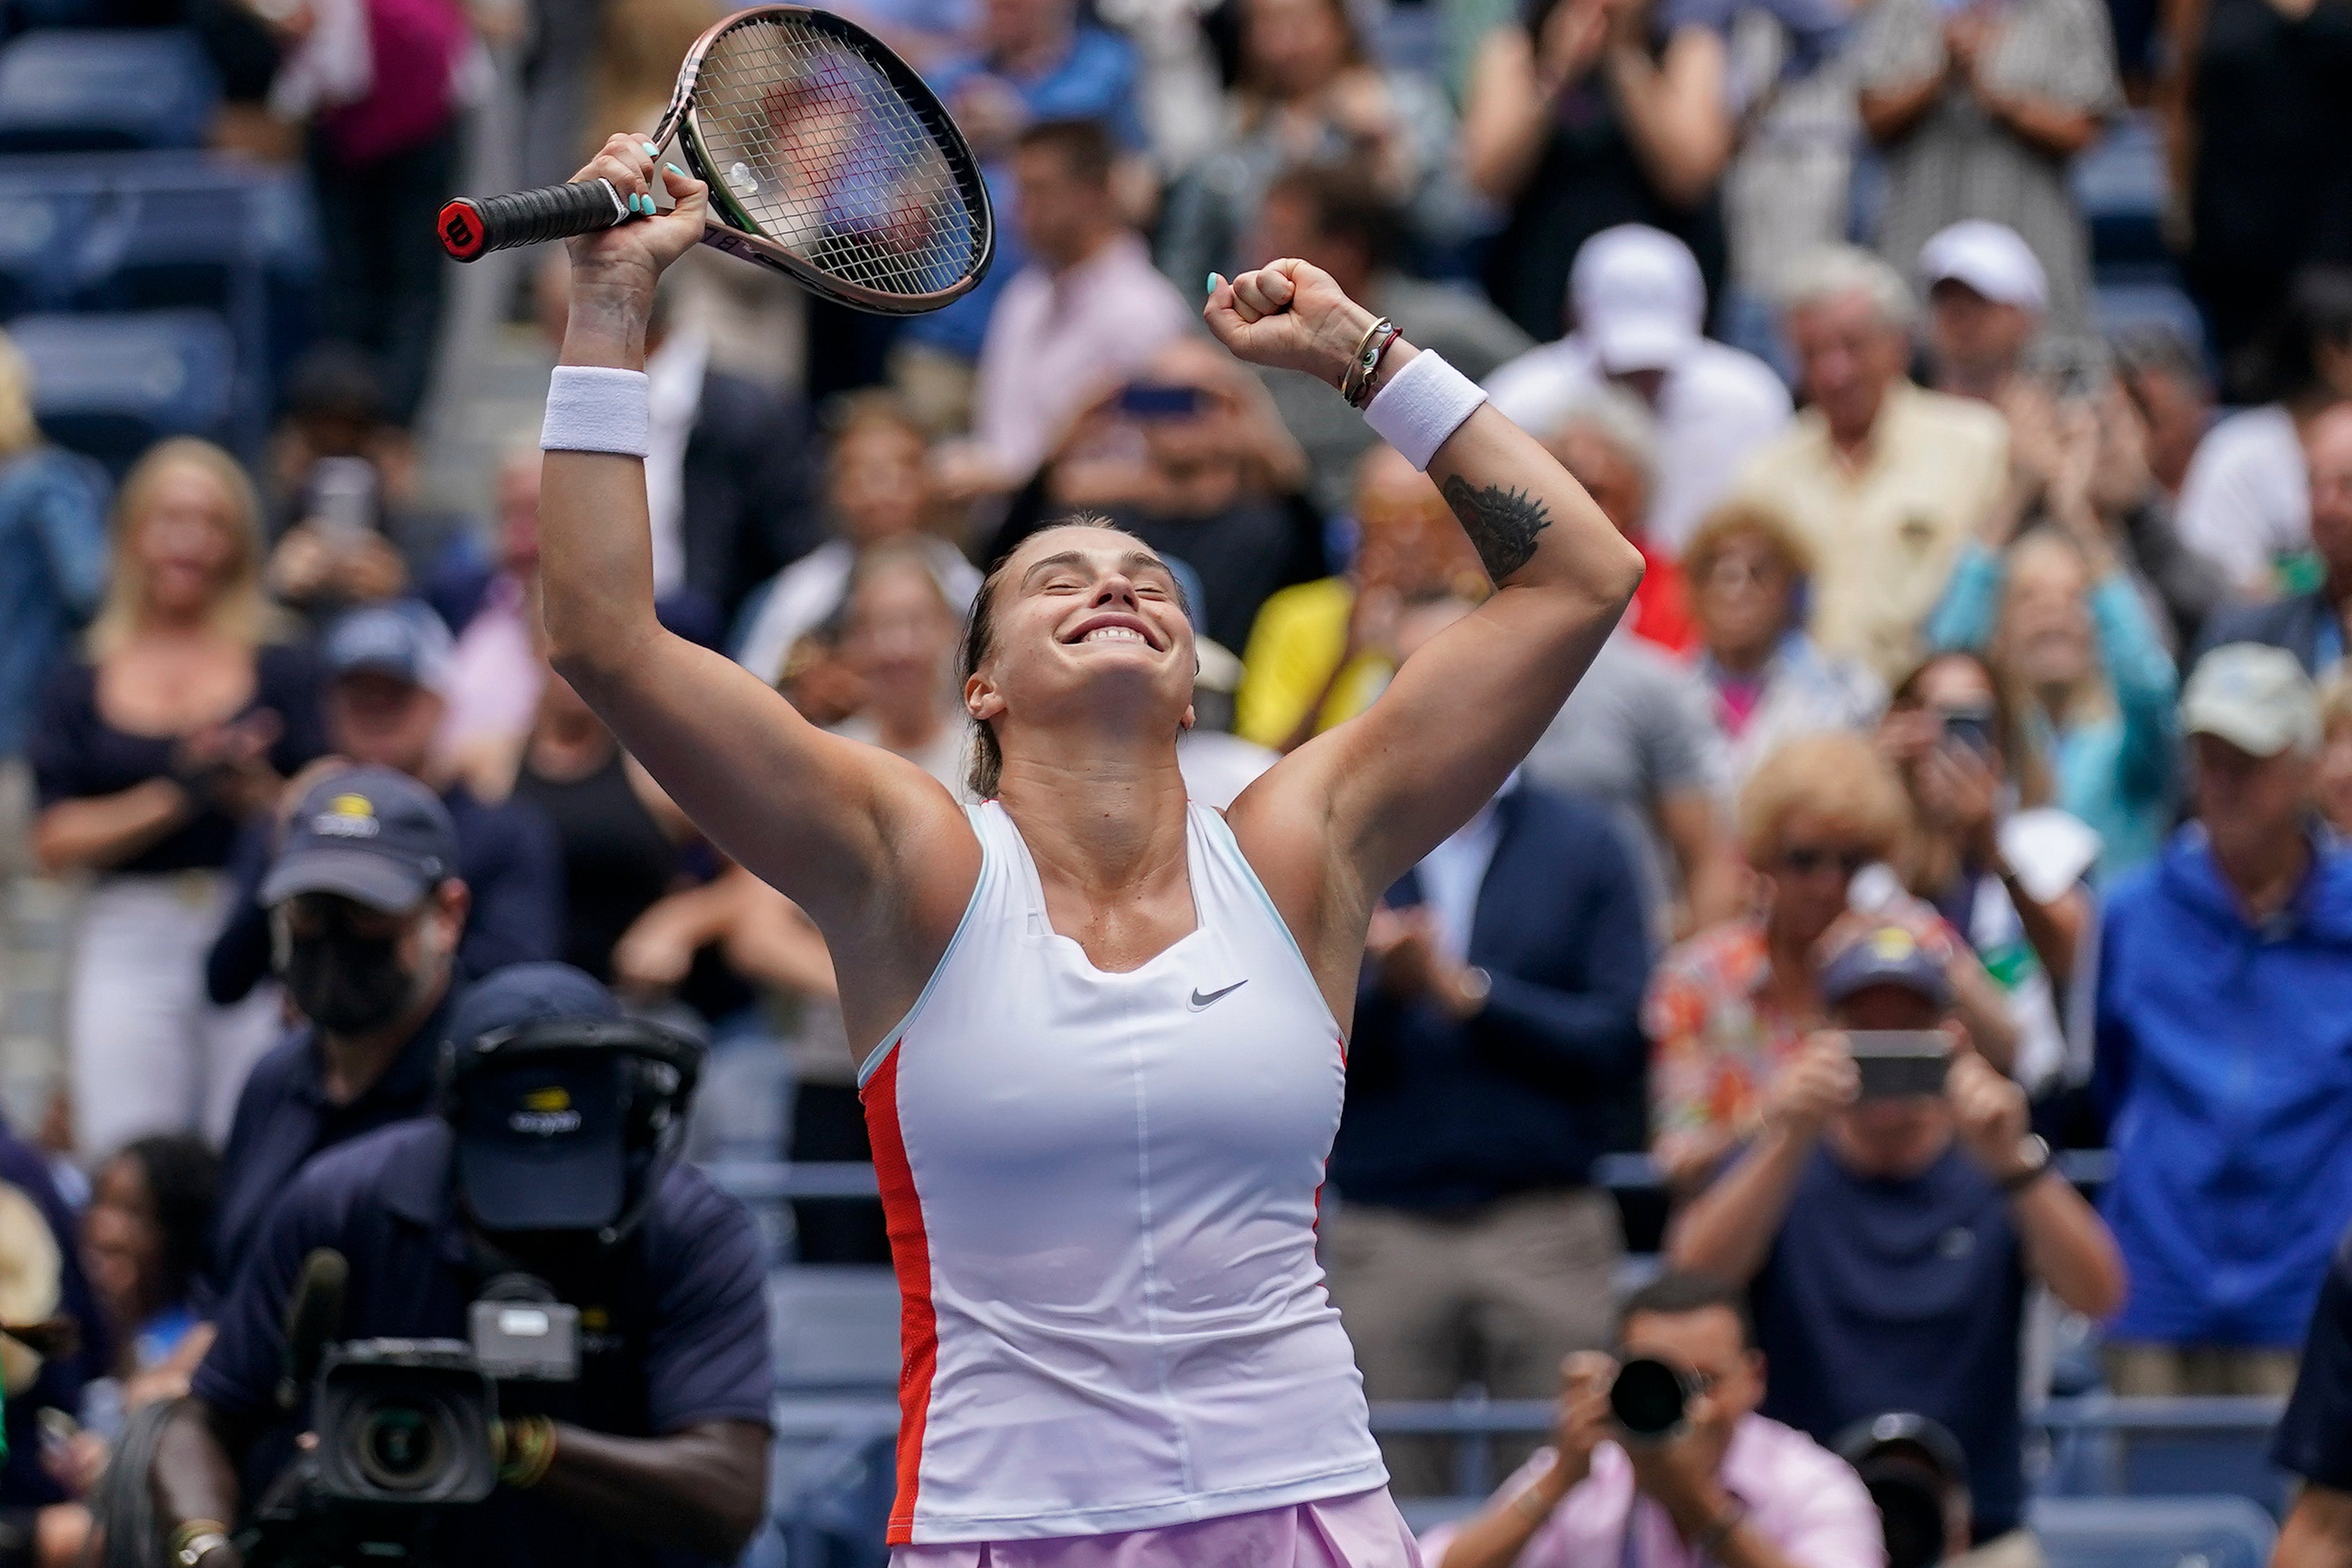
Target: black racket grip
(473, 227)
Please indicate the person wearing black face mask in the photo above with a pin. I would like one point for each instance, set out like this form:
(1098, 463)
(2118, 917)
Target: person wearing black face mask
(365, 914)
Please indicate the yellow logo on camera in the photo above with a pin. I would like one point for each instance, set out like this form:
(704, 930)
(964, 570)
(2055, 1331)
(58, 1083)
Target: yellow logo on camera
(548, 1100)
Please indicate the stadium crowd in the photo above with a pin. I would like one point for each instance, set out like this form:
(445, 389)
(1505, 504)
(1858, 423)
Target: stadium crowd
(1988, 681)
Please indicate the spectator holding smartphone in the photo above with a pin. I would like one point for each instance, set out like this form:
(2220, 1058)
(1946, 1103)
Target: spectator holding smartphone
(1730, 1486)
(1888, 1240)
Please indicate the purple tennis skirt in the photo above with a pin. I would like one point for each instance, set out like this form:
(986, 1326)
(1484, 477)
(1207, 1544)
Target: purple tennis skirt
(1360, 1532)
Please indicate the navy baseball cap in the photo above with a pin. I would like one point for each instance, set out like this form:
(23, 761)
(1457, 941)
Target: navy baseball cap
(1885, 955)
(404, 639)
(374, 836)
(542, 1135)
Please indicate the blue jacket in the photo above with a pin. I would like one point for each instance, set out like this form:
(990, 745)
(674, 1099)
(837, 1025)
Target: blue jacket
(52, 571)
(1445, 1115)
(2225, 1064)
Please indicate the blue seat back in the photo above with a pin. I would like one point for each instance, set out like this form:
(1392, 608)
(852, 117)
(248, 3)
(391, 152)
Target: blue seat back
(835, 1327)
(112, 385)
(2152, 1532)
(105, 90)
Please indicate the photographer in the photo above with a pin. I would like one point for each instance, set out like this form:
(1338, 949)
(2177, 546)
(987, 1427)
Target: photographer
(365, 915)
(1888, 1232)
(553, 1158)
(1723, 1485)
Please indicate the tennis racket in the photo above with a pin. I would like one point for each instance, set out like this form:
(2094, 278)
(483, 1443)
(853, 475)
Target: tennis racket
(828, 159)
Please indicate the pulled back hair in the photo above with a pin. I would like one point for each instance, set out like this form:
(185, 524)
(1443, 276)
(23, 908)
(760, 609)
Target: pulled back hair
(182, 1177)
(987, 770)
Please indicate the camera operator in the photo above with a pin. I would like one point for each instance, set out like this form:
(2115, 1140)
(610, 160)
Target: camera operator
(552, 1159)
(1722, 1484)
(1890, 1231)
(366, 912)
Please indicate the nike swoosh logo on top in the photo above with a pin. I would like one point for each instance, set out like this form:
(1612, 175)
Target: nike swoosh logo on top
(1200, 1002)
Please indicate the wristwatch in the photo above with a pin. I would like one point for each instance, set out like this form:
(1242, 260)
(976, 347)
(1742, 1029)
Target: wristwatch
(193, 1540)
(2032, 1164)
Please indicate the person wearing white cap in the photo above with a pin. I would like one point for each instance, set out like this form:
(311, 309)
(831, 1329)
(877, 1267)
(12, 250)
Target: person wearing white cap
(1637, 302)
(1986, 298)
(2225, 981)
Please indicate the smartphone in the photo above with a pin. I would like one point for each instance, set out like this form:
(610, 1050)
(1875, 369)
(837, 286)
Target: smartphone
(342, 497)
(1897, 1064)
(1148, 400)
(1971, 728)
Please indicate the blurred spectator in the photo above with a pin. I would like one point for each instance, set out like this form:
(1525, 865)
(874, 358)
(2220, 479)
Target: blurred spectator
(1321, 651)
(2334, 786)
(1889, 1243)
(1747, 572)
(1088, 310)
(1730, 1008)
(1339, 218)
(53, 539)
(2310, 624)
(1198, 463)
(1737, 1485)
(2057, 608)
(1586, 115)
(878, 490)
(619, 835)
(183, 723)
(2163, 374)
(364, 929)
(1986, 298)
(1636, 738)
(2256, 106)
(2312, 1439)
(728, 482)
(1607, 440)
(1030, 60)
(388, 675)
(146, 1241)
(1885, 480)
(1498, 1013)
(2225, 971)
(380, 82)
(1310, 90)
(899, 636)
(495, 669)
(1980, 110)
(1218, 764)
(43, 1280)
(2245, 502)
(350, 528)
(1991, 856)
(1638, 304)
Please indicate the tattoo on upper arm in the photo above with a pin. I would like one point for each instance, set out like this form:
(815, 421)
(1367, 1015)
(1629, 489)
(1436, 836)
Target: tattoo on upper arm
(1502, 524)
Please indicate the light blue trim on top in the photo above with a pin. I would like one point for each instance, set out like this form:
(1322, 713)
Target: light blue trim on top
(1290, 938)
(873, 1058)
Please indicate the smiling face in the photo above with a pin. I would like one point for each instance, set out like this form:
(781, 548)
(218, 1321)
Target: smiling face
(185, 540)
(1083, 631)
(2045, 624)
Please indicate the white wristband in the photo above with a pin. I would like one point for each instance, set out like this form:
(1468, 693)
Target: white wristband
(1423, 403)
(597, 408)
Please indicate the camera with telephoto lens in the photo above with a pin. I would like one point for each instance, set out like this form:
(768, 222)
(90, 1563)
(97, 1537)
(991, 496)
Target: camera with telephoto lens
(1651, 1399)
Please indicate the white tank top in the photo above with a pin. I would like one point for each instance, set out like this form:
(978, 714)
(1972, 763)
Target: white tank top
(1101, 1192)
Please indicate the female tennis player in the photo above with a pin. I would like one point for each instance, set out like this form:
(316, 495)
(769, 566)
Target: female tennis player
(1103, 1028)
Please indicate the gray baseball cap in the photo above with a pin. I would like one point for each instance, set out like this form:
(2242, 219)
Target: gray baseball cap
(2254, 696)
(371, 834)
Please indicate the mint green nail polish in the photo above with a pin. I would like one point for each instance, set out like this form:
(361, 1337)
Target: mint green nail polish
(673, 169)
(1214, 279)
(653, 149)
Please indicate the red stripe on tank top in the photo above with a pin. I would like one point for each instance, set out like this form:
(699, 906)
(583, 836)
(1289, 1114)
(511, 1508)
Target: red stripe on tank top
(910, 1258)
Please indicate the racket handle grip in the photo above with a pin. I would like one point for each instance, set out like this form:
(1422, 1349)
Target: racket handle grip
(473, 227)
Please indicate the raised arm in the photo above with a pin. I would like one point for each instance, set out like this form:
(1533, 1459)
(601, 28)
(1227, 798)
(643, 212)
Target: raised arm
(1342, 816)
(875, 850)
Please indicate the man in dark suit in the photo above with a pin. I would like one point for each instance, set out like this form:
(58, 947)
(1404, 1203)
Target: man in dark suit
(1498, 1026)
(2309, 625)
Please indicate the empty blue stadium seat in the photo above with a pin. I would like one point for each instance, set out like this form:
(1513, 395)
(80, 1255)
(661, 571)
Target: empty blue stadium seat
(835, 1327)
(2102, 1445)
(2120, 185)
(103, 91)
(112, 386)
(2152, 1532)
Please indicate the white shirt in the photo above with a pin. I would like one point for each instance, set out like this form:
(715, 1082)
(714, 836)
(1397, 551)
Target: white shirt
(2246, 498)
(1452, 874)
(674, 392)
(1716, 406)
(1218, 766)
(1056, 340)
(806, 593)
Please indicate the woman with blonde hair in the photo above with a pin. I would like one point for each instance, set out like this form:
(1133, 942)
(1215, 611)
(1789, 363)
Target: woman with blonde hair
(1746, 569)
(1731, 1005)
(182, 721)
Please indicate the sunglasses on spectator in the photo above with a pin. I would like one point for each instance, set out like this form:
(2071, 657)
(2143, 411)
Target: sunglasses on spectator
(1806, 859)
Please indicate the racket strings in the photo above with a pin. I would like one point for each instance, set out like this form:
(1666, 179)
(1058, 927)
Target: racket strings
(820, 150)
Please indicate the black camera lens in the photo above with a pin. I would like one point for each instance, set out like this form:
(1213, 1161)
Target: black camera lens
(402, 1444)
(1648, 1398)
